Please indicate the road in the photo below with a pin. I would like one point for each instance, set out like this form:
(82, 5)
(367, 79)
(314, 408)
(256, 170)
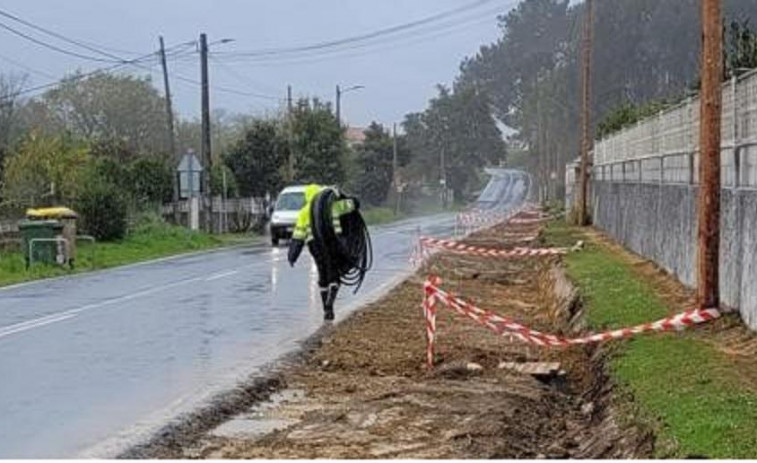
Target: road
(89, 363)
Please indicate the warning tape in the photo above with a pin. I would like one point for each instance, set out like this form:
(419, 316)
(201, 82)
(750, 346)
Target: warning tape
(529, 221)
(508, 327)
(462, 248)
(526, 212)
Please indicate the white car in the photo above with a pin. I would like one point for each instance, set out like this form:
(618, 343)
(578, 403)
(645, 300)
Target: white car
(288, 205)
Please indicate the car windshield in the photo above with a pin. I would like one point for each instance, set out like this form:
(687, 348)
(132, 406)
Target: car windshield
(290, 202)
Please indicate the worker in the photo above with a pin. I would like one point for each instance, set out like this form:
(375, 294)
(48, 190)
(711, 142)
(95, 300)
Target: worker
(338, 241)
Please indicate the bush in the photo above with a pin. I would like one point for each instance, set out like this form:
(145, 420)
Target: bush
(103, 212)
(151, 181)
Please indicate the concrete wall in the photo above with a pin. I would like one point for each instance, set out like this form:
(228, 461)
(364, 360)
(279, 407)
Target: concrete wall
(658, 221)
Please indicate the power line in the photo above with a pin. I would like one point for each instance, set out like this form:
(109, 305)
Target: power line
(77, 77)
(364, 49)
(59, 36)
(405, 38)
(367, 36)
(51, 46)
(27, 68)
(242, 79)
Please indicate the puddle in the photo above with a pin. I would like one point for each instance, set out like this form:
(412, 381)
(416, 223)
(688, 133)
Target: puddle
(261, 419)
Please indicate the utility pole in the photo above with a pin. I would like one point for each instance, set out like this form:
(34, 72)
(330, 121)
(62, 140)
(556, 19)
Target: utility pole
(338, 105)
(290, 138)
(395, 173)
(709, 156)
(206, 156)
(443, 178)
(225, 221)
(583, 187)
(540, 149)
(171, 132)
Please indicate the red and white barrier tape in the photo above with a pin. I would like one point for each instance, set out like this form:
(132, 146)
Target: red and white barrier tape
(506, 326)
(462, 248)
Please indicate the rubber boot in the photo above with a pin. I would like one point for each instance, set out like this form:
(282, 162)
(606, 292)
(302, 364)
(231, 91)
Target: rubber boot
(328, 306)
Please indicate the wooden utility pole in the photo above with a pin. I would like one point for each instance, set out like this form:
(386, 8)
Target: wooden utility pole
(171, 132)
(290, 138)
(443, 177)
(583, 181)
(289, 99)
(395, 172)
(338, 105)
(709, 156)
(205, 142)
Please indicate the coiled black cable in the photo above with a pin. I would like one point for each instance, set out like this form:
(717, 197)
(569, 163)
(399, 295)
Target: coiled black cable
(349, 252)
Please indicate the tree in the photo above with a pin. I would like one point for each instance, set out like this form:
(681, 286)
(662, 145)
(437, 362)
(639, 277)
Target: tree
(10, 87)
(374, 165)
(111, 106)
(644, 50)
(103, 211)
(45, 170)
(740, 48)
(460, 127)
(258, 158)
(150, 181)
(318, 144)
(216, 181)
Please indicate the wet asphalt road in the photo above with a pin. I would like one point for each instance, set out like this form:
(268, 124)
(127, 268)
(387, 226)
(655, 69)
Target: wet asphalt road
(91, 362)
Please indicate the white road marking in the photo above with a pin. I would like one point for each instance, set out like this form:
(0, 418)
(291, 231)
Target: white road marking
(68, 314)
(218, 276)
(38, 323)
(61, 316)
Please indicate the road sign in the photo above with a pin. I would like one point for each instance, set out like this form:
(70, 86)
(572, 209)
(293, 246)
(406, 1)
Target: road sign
(190, 173)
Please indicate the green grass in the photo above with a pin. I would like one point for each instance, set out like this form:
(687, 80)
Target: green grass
(380, 215)
(688, 388)
(383, 215)
(149, 241)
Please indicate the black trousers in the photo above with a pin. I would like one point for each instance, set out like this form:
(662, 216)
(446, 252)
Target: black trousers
(328, 274)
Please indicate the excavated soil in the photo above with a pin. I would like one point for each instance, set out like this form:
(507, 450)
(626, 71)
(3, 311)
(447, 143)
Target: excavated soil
(363, 390)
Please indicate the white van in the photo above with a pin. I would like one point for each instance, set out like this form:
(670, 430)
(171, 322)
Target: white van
(288, 205)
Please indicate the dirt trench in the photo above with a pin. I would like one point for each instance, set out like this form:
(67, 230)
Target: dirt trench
(363, 391)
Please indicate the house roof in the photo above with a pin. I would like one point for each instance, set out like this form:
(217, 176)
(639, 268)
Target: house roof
(355, 135)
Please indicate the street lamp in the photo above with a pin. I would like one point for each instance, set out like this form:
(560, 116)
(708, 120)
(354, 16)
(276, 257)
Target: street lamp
(339, 92)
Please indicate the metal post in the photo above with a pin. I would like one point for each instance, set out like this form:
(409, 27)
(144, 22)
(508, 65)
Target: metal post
(708, 278)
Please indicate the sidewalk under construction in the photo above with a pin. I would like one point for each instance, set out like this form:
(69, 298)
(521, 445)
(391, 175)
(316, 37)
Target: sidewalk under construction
(364, 391)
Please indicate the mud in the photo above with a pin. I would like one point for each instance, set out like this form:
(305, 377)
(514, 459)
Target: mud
(362, 389)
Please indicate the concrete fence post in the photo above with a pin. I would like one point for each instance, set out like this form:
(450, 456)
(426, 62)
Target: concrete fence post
(735, 132)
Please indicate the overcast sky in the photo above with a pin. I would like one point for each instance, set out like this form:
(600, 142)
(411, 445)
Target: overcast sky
(399, 73)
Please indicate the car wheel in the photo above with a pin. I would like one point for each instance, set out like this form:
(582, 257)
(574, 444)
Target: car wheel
(274, 239)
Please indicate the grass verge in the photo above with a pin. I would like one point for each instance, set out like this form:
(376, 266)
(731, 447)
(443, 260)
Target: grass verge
(380, 215)
(383, 215)
(690, 390)
(147, 242)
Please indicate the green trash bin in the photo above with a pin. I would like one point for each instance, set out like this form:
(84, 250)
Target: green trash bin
(42, 251)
